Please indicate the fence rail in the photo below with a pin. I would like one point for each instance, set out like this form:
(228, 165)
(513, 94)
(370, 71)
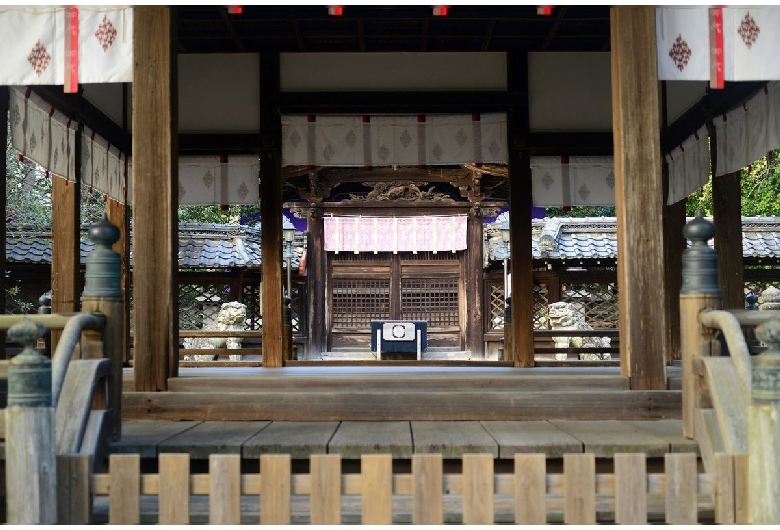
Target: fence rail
(474, 494)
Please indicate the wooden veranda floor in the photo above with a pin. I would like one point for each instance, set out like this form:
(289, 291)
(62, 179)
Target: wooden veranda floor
(401, 410)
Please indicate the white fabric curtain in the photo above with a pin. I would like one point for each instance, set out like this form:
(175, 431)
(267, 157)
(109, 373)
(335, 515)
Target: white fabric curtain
(216, 180)
(33, 40)
(689, 166)
(42, 134)
(748, 132)
(751, 39)
(394, 140)
(395, 234)
(102, 166)
(573, 181)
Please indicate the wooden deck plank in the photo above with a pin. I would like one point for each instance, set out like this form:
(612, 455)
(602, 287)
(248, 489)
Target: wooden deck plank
(452, 439)
(354, 439)
(386, 406)
(299, 439)
(211, 437)
(669, 430)
(531, 437)
(143, 436)
(606, 437)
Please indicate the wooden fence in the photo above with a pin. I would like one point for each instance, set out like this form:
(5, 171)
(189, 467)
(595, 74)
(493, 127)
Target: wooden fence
(466, 491)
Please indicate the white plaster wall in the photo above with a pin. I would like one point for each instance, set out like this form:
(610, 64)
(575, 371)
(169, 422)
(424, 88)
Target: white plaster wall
(301, 72)
(219, 93)
(570, 91)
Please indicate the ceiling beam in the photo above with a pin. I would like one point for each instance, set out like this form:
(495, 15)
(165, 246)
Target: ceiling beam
(297, 29)
(229, 26)
(397, 102)
(488, 34)
(554, 29)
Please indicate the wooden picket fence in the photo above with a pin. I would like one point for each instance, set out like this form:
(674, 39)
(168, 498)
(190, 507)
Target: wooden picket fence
(427, 495)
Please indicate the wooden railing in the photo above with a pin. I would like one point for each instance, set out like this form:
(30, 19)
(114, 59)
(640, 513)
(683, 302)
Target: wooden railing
(472, 494)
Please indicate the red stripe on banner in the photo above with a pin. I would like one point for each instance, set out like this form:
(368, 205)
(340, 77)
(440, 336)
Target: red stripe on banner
(717, 68)
(564, 159)
(223, 159)
(71, 50)
(725, 119)
(51, 112)
(27, 93)
(475, 116)
(696, 135)
(69, 122)
(544, 10)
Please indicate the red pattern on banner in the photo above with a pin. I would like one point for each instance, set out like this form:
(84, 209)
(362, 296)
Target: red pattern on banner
(39, 58)
(749, 30)
(680, 53)
(105, 34)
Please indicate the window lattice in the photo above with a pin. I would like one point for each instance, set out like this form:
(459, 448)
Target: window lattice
(597, 302)
(431, 299)
(251, 299)
(199, 304)
(357, 302)
(295, 306)
(497, 303)
(541, 300)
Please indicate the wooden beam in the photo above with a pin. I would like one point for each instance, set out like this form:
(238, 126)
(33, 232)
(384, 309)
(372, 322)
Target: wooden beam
(65, 244)
(521, 261)
(316, 263)
(638, 196)
(398, 102)
(117, 214)
(474, 285)
(155, 198)
(271, 211)
(674, 245)
(727, 216)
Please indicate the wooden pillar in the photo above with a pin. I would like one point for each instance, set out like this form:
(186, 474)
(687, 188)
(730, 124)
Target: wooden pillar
(521, 257)
(727, 216)
(117, 214)
(271, 210)
(315, 278)
(638, 196)
(474, 324)
(674, 246)
(155, 197)
(65, 244)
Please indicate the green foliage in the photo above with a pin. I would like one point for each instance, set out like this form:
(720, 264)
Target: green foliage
(582, 211)
(760, 183)
(215, 214)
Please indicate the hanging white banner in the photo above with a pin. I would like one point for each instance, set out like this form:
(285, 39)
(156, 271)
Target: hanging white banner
(751, 40)
(689, 166)
(683, 43)
(34, 45)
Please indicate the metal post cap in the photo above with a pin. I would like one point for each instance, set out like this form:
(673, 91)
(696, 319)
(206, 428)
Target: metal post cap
(766, 366)
(699, 261)
(29, 373)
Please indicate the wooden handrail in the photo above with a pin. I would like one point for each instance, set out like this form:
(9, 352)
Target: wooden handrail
(54, 321)
(728, 323)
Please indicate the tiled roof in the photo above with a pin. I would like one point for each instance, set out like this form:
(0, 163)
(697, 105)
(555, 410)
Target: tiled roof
(228, 246)
(596, 238)
(200, 246)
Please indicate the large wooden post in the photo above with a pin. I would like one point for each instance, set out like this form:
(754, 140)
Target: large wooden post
(475, 333)
(155, 197)
(521, 257)
(727, 216)
(66, 243)
(117, 214)
(271, 210)
(315, 277)
(638, 196)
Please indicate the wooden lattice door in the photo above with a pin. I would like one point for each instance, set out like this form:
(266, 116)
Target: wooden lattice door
(383, 286)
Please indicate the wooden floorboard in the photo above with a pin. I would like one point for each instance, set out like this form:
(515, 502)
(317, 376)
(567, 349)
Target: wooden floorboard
(452, 439)
(670, 431)
(606, 437)
(356, 438)
(224, 437)
(143, 436)
(299, 439)
(531, 437)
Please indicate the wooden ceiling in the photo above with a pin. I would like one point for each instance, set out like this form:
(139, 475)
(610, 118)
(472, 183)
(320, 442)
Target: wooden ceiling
(409, 28)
